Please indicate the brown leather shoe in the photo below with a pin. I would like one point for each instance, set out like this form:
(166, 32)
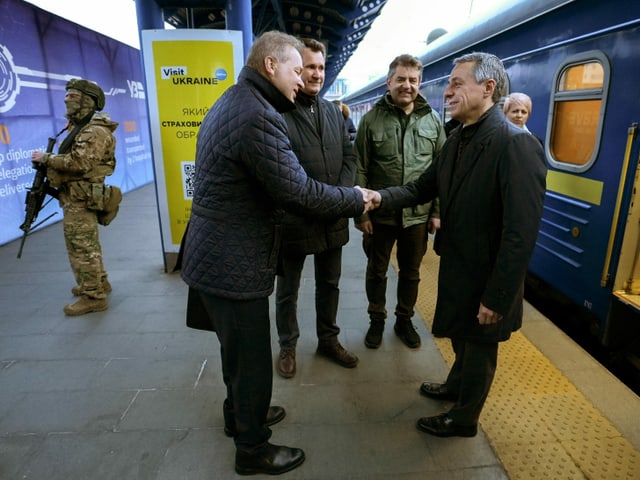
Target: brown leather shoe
(86, 305)
(286, 363)
(338, 354)
(269, 459)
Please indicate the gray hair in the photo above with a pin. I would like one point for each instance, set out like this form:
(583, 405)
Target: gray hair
(515, 99)
(487, 66)
(272, 44)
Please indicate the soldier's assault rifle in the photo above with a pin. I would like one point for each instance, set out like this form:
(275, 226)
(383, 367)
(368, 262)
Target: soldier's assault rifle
(34, 201)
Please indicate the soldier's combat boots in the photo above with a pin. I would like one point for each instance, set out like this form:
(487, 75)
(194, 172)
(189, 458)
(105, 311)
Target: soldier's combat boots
(86, 305)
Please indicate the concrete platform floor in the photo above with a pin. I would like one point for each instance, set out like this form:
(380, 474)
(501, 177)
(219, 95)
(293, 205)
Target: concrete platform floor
(132, 393)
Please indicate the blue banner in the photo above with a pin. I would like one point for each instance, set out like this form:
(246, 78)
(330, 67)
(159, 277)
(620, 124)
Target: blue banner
(39, 53)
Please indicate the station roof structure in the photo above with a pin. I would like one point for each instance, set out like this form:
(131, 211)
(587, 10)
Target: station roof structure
(339, 24)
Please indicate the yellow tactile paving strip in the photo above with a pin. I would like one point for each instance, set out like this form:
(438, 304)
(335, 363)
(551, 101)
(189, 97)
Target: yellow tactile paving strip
(539, 424)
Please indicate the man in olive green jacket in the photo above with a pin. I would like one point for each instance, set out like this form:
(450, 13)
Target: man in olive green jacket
(395, 143)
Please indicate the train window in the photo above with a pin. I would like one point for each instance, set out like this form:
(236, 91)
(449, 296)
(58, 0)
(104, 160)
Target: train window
(576, 111)
(580, 77)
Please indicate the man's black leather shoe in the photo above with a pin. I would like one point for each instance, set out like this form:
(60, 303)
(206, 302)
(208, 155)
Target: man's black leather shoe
(275, 414)
(373, 338)
(270, 459)
(443, 426)
(438, 391)
(407, 333)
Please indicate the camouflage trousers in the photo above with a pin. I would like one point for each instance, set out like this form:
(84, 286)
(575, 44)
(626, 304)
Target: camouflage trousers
(80, 227)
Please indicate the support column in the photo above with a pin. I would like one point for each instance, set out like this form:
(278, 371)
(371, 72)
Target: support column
(239, 18)
(149, 15)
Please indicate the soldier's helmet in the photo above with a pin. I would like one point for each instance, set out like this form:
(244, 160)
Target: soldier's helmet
(88, 88)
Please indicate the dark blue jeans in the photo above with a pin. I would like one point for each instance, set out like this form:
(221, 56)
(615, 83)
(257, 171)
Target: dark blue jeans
(243, 330)
(327, 268)
(411, 247)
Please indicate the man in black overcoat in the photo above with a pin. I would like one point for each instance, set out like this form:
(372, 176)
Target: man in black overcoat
(490, 179)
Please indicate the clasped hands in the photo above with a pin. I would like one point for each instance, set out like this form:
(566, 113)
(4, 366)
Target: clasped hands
(371, 198)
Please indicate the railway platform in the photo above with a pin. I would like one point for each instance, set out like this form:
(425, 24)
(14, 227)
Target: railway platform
(132, 394)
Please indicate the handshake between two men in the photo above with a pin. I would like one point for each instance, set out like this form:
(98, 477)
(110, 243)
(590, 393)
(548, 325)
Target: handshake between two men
(371, 198)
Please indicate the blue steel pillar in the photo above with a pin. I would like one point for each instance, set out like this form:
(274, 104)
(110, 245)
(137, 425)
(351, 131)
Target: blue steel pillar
(149, 16)
(239, 18)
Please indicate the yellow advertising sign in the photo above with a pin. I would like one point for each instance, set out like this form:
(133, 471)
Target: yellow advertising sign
(186, 72)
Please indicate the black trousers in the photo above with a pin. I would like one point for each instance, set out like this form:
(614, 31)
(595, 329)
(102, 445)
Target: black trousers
(243, 330)
(471, 376)
(327, 268)
(412, 245)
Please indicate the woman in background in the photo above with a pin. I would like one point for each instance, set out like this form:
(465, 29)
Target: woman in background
(517, 109)
(348, 123)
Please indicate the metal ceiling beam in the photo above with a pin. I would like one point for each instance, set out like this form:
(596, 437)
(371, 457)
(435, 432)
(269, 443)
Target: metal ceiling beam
(339, 24)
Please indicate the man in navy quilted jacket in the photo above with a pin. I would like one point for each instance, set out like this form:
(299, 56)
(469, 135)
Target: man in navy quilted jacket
(246, 176)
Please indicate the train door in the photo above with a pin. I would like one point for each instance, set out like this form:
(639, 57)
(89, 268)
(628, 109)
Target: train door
(623, 327)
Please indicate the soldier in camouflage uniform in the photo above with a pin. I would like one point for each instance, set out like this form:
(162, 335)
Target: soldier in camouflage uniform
(78, 171)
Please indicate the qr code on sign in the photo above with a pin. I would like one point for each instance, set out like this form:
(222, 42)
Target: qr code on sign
(188, 177)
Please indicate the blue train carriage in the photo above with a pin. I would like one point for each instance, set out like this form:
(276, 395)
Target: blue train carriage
(577, 61)
(579, 75)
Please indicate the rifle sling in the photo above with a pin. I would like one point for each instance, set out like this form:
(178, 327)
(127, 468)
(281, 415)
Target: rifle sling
(66, 144)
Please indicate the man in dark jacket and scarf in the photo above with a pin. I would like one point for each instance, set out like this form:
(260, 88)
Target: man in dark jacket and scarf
(490, 179)
(320, 141)
(246, 173)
